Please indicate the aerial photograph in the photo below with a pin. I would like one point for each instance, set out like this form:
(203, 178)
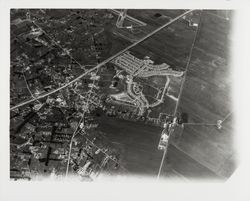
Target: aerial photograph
(121, 93)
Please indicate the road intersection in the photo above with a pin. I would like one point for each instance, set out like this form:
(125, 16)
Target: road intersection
(101, 63)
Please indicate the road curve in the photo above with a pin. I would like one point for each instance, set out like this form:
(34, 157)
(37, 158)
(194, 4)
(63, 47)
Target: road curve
(102, 63)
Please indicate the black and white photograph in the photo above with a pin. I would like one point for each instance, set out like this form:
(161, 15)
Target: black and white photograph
(120, 92)
(113, 94)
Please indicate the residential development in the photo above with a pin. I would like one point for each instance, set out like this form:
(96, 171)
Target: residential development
(117, 93)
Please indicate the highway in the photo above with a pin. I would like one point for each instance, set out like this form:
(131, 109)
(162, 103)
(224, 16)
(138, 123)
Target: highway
(102, 63)
(180, 93)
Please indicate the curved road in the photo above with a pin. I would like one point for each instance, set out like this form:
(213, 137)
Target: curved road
(102, 63)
